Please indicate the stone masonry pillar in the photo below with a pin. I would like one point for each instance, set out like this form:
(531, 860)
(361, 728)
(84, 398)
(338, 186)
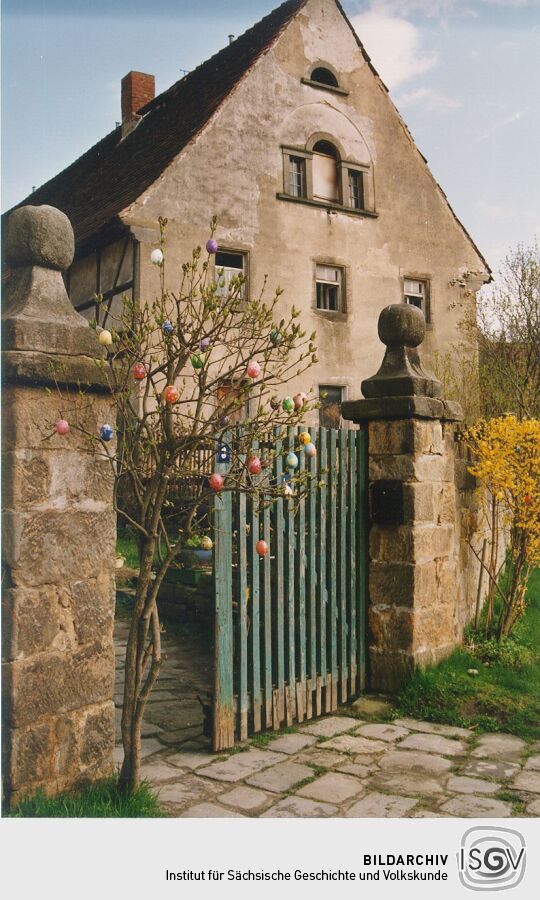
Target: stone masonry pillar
(414, 584)
(58, 525)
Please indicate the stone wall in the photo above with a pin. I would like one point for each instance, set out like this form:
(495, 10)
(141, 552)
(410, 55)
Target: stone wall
(58, 526)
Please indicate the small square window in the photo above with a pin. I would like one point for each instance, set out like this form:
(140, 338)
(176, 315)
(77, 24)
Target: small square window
(330, 398)
(297, 176)
(329, 287)
(356, 189)
(229, 265)
(416, 293)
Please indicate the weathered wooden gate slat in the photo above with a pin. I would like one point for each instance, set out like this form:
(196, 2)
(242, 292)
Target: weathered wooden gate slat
(291, 646)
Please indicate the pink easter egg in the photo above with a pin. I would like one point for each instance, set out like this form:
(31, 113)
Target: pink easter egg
(62, 426)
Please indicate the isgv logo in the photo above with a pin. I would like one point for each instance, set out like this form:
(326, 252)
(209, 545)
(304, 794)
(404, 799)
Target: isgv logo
(491, 858)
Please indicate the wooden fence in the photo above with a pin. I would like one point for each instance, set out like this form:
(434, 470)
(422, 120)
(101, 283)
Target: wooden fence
(290, 626)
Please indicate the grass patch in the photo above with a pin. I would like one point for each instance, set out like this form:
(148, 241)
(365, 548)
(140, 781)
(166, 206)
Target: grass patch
(98, 801)
(263, 738)
(504, 696)
(126, 546)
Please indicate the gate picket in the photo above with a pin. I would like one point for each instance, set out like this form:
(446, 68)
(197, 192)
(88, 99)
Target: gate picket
(291, 645)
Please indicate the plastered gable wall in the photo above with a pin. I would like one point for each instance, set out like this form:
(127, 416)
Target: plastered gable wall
(234, 169)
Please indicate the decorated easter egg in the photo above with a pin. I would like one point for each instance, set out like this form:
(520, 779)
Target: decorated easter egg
(106, 432)
(156, 257)
(105, 338)
(212, 245)
(254, 465)
(216, 481)
(207, 543)
(196, 361)
(262, 548)
(527, 499)
(310, 449)
(288, 404)
(304, 437)
(291, 460)
(138, 371)
(499, 495)
(224, 421)
(167, 327)
(62, 426)
(274, 402)
(253, 369)
(299, 400)
(287, 490)
(276, 337)
(204, 345)
(171, 394)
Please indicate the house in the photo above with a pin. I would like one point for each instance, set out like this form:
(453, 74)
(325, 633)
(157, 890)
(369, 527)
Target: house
(287, 135)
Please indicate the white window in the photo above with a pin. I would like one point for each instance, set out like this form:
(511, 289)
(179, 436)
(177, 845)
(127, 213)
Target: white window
(229, 265)
(297, 176)
(329, 288)
(325, 172)
(416, 292)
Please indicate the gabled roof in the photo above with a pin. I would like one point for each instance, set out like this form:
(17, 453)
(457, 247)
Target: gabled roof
(94, 189)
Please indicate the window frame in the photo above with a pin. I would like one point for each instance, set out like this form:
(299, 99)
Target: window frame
(426, 281)
(341, 312)
(344, 166)
(343, 389)
(238, 252)
(310, 82)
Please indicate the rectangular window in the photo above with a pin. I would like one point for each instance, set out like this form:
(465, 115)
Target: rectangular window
(229, 265)
(329, 286)
(356, 189)
(330, 398)
(297, 176)
(416, 293)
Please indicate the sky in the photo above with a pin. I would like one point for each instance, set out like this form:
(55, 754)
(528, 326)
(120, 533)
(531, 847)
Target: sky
(464, 75)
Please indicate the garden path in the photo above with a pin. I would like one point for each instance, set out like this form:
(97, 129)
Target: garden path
(353, 764)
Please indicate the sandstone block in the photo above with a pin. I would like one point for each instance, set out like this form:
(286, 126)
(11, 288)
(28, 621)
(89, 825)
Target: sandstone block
(330, 726)
(280, 778)
(333, 787)
(381, 806)
(299, 808)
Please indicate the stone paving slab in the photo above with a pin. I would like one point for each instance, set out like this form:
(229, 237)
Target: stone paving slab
(330, 726)
(499, 746)
(191, 760)
(461, 784)
(434, 728)
(300, 808)
(351, 743)
(404, 783)
(210, 811)
(325, 758)
(280, 778)
(527, 781)
(386, 733)
(241, 765)
(490, 768)
(246, 798)
(292, 743)
(351, 768)
(433, 743)
(188, 790)
(332, 788)
(158, 769)
(381, 806)
(534, 808)
(416, 761)
(477, 807)
(533, 763)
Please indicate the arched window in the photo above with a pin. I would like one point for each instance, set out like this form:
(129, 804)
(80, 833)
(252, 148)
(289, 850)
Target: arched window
(324, 76)
(325, 172)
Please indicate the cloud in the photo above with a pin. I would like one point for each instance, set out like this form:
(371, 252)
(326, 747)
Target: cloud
(435, 8)
(502, 123)
(394, 45)
(430, 100)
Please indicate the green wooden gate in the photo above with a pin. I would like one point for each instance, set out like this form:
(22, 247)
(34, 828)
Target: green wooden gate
(290, 626)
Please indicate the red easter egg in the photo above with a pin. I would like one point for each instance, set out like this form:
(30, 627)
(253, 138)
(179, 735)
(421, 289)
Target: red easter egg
(216, 481)
(138, 371)
(253, 369)
(261, 547)
(254, 465)
(62, 426)
(527, 499)
(171, 394)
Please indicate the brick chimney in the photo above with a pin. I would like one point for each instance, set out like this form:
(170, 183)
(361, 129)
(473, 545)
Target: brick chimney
(138, 89)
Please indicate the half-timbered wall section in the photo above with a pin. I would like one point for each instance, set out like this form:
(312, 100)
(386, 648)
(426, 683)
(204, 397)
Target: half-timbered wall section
(109, 272)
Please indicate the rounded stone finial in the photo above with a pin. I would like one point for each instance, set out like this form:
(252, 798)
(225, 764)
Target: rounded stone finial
(402, 325)
(39, 236)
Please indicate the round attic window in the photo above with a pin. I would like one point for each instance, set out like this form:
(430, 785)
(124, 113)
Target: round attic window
(324, 76)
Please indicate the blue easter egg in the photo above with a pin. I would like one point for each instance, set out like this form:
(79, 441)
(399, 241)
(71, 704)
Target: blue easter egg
(106, 432)
(291, 461)
(168, 327)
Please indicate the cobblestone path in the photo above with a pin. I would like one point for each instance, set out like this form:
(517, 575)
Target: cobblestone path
(350, 765)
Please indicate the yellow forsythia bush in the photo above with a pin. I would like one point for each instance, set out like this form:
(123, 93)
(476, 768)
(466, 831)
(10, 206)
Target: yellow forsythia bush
(506, 453)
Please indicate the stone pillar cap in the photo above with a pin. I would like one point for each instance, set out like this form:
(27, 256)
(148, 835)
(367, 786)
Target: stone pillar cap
(39, 236)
